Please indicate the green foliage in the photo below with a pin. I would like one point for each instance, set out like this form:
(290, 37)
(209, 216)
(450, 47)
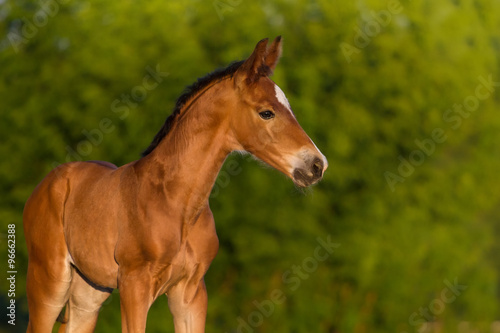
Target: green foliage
(370, 81)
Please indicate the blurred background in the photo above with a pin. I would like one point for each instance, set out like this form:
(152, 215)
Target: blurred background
(402, 97)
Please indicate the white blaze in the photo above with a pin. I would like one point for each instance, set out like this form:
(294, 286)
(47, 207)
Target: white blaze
(280, 95)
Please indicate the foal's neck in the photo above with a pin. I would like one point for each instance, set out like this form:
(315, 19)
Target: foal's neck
(184, 166)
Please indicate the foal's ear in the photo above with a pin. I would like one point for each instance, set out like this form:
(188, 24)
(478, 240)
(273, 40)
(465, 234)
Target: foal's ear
(254, 66)
(273, 54)
(261, 63)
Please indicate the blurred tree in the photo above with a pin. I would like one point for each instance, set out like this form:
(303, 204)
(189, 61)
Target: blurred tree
(405, 118)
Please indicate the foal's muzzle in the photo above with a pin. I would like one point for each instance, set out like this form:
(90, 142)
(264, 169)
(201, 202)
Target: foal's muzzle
(311, 173)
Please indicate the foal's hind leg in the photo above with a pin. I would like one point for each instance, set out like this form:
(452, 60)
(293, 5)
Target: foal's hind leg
(83, 306)
(49, 271)
(47, 288)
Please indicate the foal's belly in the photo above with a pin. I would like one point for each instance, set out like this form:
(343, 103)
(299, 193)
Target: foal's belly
(92, 252)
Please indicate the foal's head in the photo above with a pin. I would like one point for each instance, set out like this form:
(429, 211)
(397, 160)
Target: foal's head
(263, 122)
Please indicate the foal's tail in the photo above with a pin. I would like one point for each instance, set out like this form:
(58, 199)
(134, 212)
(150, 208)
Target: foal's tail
(63, 317)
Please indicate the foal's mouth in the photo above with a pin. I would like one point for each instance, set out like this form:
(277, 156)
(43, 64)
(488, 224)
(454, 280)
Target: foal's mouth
(311, 174)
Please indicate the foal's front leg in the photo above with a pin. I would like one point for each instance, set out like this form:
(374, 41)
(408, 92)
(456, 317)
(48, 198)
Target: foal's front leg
(188, 303)
(136, 297)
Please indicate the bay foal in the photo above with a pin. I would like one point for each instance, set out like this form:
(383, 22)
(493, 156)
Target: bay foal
(146, 227)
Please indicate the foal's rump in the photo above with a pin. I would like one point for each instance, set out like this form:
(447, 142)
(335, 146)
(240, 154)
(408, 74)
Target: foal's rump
(70, 218)
(90, 219)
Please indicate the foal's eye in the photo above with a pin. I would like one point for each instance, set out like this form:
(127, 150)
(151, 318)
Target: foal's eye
(266, 115)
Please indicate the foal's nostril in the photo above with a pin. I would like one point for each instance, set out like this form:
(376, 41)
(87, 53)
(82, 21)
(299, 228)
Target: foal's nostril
(317, 168)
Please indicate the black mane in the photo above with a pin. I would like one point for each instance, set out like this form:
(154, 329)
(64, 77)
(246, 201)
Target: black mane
(188, 93)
